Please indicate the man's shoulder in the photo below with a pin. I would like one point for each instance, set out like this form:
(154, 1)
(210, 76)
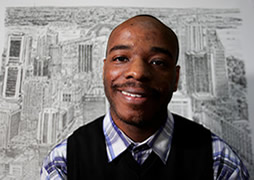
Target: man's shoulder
(87, 132)
(54, 165)
(188, 125)
(95, 124)
(227, 163)
(190, 133)
(85, 140)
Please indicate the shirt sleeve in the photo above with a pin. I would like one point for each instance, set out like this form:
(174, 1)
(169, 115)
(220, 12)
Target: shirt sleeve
(54, 165)
(227, 164)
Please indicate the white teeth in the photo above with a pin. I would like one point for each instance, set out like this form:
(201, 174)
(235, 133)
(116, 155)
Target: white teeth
(132, 95)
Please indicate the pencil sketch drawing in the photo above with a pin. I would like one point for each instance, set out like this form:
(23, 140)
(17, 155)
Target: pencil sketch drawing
(51, 77)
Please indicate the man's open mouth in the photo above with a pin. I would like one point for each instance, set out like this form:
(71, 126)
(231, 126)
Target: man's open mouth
(131, 94)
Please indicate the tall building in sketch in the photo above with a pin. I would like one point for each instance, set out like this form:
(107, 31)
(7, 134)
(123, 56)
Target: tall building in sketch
(9, 122)
(195, 37)
(206, 72)
(41, 66)
(36, 97)
(17, 59)
(46, 43)
(181, 34)
(55, 60)
(47, 126)
(80, 51)
(12, 81)
(53, 123)
(198, 74)
(218, 65)
(85, 57)
(45, 40)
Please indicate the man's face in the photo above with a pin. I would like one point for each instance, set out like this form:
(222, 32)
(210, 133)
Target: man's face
(139, 73)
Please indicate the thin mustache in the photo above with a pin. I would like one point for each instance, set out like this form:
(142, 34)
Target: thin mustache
(146, 88)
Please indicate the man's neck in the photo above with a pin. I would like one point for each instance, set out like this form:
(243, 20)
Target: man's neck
(139, 133)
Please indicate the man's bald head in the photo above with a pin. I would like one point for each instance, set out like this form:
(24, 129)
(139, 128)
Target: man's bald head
(147, 22)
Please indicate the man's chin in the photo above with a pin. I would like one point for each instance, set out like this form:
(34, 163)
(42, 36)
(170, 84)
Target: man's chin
(135, 116)
(135, 122)
(139, 121)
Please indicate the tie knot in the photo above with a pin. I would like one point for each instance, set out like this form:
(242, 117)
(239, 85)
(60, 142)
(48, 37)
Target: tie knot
(140, 152)
(136, 149)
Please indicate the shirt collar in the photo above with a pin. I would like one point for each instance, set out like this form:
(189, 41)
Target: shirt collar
(117, 142)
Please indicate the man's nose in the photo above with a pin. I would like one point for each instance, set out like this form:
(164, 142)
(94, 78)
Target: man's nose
(138, 69)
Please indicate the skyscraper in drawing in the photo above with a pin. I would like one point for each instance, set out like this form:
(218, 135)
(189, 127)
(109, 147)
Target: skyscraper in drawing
(205, 63)
(17, 59)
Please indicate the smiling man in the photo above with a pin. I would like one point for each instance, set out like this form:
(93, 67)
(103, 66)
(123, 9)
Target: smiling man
(140, 75)
(139, 138)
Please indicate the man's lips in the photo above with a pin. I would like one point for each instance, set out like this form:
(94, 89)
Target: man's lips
(135, 95)
(136, 91)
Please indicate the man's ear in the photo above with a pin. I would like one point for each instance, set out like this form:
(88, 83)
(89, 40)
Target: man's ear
(177, 77)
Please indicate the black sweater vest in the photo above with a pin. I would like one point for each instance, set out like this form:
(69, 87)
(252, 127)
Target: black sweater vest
(190, 156)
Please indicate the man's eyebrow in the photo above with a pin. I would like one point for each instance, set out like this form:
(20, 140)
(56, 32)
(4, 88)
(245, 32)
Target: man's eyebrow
(162, 50)
(119, 47)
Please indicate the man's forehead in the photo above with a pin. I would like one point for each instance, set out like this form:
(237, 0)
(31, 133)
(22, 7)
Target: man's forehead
(143, 24)
(140, 21)
(137, 26)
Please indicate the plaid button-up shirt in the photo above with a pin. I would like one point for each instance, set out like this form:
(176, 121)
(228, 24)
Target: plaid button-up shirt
(226, 164)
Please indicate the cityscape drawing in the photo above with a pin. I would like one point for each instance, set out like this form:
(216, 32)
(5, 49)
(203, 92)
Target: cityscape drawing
(51, 77)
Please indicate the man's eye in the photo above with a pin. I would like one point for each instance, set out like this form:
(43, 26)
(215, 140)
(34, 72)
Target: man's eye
(120, 59)
(159, 62)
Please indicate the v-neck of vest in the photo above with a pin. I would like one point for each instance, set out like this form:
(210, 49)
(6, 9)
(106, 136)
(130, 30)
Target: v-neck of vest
(133, 164)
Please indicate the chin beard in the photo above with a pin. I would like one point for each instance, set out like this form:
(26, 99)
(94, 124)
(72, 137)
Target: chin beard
(137, 122)
(141, 121)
